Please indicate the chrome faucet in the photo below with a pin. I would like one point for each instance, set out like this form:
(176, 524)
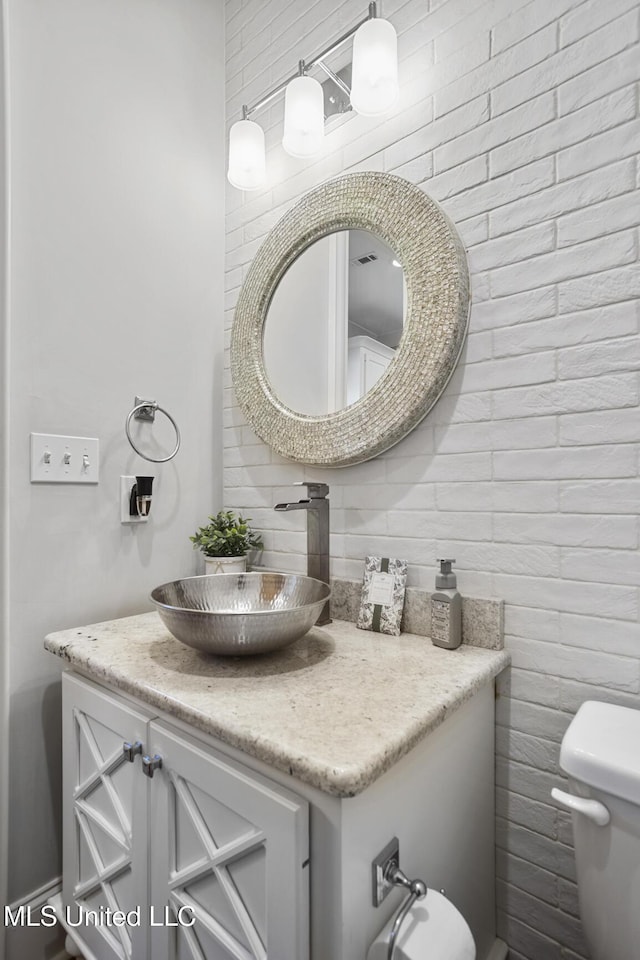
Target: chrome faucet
(317, 507)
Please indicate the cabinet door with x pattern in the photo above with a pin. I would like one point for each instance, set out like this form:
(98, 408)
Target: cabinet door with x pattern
(230, 849)
(104, 821)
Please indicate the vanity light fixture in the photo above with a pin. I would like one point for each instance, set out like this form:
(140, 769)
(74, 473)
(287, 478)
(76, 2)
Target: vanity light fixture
(303, 115)
(247, 164)
(374, 90)
(374, 81)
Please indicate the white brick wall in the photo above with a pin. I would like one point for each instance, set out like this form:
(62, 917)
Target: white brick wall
(522, 120)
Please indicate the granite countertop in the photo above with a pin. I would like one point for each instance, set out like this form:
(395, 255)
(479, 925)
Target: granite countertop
(336, 709)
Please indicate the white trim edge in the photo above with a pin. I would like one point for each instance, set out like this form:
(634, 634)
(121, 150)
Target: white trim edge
(5, 280)
(38, 898)
(499, 951)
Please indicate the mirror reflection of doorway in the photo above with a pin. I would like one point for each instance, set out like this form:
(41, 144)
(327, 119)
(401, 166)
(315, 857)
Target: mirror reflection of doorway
(334, 322)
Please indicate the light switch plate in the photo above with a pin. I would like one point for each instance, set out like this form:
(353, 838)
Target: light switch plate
(56, 459)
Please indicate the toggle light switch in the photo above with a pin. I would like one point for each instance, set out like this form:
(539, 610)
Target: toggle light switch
(58, 459)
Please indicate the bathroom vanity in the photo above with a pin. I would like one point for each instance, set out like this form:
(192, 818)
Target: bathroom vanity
(271, 785)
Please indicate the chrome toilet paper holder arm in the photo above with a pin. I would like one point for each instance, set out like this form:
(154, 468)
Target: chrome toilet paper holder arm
(417, 891)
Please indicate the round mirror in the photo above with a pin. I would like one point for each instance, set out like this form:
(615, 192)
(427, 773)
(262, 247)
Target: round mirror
(339, 310)
(281, 337)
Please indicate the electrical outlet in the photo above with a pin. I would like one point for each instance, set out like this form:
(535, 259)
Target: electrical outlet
(57, 459)
(126, 485)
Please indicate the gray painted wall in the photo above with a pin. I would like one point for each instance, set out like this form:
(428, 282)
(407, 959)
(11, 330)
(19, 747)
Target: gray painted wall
(116, 245)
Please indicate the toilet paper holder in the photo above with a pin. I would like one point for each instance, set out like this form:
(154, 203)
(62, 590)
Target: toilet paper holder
(387, 874)
(417, 891)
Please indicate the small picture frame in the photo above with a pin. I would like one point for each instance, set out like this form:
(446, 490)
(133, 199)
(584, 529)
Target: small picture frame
(383, 590)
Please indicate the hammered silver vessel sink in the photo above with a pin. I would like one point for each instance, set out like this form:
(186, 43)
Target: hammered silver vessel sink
(236, 614)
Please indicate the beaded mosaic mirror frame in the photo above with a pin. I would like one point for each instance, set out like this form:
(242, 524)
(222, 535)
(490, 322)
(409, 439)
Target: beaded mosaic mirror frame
(429, 248)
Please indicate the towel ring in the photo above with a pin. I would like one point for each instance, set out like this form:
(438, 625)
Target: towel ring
(146, 410)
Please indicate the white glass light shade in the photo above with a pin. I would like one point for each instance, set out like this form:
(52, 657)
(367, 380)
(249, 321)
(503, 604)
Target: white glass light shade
(374, 78)
(303, 117)
(247, 164)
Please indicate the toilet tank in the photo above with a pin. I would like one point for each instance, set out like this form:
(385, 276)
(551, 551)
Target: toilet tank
(602, 749)
(601, 754)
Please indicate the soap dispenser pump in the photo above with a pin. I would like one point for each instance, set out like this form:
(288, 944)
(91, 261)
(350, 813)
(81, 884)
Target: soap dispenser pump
(446, 609)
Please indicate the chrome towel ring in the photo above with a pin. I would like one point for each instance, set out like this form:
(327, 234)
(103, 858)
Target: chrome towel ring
(146, 410)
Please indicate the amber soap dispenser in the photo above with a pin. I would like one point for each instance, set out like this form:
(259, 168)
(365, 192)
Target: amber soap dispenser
(446, 609)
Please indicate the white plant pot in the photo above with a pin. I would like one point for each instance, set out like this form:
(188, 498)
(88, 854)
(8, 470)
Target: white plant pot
(225, 565)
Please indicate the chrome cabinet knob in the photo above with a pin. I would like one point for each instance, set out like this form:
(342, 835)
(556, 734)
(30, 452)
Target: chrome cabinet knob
(131, 750)
(149, 764)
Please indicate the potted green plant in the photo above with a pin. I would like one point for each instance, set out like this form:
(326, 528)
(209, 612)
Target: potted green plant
(225, 542)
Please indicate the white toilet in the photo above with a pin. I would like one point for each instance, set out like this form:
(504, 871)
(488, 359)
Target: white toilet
(601, 754)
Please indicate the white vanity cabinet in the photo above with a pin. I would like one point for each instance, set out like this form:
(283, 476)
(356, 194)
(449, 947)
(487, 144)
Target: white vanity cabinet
(282, 778)
(203, 840)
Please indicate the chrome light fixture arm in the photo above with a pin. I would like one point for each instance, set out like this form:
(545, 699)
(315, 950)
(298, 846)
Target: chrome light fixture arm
(339, 82)
(318, 60)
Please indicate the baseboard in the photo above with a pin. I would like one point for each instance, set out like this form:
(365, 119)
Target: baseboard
(39, 897)
(499, 951)
(34, 941)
